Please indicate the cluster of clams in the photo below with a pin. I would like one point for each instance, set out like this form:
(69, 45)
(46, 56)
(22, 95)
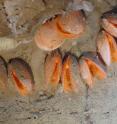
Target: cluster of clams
(20, 73)
(67, 69)
(90, 64)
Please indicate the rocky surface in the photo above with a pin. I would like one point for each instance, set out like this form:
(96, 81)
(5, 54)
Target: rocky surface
(93, 106)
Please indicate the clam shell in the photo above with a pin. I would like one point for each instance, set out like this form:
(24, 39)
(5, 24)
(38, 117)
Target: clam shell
(3, 75)
(109, 22)
(71, 24)
(113, 47)
(47, 36)
(21, 75)
(85, 72)
(53, 66)
(70, 75)
(97, 67)
(103, 47)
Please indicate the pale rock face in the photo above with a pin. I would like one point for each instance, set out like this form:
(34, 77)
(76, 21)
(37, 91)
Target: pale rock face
(80, 4)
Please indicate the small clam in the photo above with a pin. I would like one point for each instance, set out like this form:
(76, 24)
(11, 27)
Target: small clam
(3, 75)
(53, 66)
(47, 36)
(21, 75)
(109, 22)
(70, 75)
(103, 47)
(71, 24)
(95, 64)
(85, 72)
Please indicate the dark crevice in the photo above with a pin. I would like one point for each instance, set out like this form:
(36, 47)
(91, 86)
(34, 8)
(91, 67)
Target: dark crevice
(87, 115)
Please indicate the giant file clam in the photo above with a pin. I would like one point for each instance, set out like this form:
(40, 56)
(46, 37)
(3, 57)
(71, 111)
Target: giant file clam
(21, 75)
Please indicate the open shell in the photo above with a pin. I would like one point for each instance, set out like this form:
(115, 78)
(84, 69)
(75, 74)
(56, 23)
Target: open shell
(53, 66)
(21, 75)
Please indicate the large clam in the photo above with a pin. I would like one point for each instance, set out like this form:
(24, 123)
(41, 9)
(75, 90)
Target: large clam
(109, 22)
(70, 75)
(53, 32)
(53, 66)
(21, 75)
(3, 75)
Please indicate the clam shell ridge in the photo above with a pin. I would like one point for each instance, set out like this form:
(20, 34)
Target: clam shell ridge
(21, 75)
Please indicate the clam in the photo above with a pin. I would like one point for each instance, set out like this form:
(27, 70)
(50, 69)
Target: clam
(96, 65)
(109, 22)
(47, 36)
(70, 75)
(21, 75)
(103, 47)
(53, 66)
(113, 47)
(71, 24)
(85, 72)
(3, 75)
(107, 47)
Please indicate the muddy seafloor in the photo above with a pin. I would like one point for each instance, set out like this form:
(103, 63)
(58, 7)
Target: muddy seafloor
(92, 106)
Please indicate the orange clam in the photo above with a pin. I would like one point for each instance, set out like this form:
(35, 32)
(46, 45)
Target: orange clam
(109, 22)
(70, 74)
(96, 66)
(71, 24)
(53, 66)
(3, 75)
(103, 47)
(21, 75)
(107, 47)
(85, 72)
(47, 36)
